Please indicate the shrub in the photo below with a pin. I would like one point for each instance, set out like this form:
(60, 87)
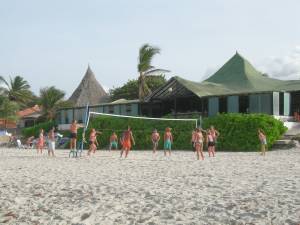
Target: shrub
(142, 130)
(34, 131)
(238, 132)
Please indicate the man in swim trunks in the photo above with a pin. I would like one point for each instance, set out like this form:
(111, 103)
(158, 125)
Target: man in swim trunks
(126, 140)
(168, 140)
(51, 142)
(73, 130)
(113, 141)
(210, 143)
(155, 137)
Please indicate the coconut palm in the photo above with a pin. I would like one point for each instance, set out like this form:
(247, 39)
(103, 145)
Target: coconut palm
(146, 54)
(51, 99)
(16, 89)
(8, 110)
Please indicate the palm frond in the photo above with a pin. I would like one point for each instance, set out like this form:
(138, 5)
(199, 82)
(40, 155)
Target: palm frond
(2, 80)
(146, 54)
(156, 72)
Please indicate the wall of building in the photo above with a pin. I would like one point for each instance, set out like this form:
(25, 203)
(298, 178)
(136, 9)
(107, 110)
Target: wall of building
(66, 116)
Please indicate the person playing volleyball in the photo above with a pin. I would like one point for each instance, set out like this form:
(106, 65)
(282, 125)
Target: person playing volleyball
(93, 141)
(41, 142)
(210, 143)
(193, 139)
(155, 137)
(168, 140)
(126, 140)
(263, 141)
(215, 134)
(113, 141)
(199, 143)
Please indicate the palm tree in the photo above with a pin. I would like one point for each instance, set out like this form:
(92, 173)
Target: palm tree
(16, 89)
(146, 54)
(8, 110)
(51, 99)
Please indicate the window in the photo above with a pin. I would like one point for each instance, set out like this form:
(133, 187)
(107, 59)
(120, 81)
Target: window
(222, 104)
(244, 104)
(281, 103)
(111, 109)
(128, 108)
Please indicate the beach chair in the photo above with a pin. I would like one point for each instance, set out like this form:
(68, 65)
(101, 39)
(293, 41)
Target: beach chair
(19, 144)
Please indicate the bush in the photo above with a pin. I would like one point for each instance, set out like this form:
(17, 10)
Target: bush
(142, 130)
(34, 131)
(238, 132)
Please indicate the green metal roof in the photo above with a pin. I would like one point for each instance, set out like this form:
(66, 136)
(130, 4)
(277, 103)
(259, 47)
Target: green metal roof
(238, 76)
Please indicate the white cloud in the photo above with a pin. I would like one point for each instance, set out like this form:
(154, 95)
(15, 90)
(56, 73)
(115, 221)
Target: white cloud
(284, 67)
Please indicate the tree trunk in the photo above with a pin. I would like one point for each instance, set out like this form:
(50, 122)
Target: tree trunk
(141, 83)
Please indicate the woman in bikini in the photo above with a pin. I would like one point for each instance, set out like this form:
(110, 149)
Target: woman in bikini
(126, 140)
(168, 140)
(41, 142)
(93, 141)
(263, 141)
(155, 137)
(199, 143)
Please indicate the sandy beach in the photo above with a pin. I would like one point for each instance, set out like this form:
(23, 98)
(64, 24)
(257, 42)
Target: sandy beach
(232, 188)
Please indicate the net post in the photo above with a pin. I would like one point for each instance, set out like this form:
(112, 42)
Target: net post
(86, 123)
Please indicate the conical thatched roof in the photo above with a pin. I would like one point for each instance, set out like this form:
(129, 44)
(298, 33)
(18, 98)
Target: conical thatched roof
(89, 91)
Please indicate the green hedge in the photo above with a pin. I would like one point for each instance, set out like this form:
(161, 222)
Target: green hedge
(34, 131)
(142, 130)
(238, 132)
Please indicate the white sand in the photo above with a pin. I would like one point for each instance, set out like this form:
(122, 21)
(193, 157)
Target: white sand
(233, 188)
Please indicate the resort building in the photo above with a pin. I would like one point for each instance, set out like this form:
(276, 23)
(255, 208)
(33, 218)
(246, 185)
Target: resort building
(237, 87)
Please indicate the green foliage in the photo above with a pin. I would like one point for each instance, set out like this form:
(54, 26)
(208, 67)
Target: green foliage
(8, 109)
(146, 54)
(238, 132)
(17, 89)
(51, 99)
(130, 90)
(34, 131)
(142, 130)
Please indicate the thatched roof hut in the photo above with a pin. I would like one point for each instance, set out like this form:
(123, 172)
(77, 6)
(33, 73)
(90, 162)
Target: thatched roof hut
(89, 91)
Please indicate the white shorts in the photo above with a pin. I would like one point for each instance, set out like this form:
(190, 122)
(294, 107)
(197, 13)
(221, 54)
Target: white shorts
(51, 145)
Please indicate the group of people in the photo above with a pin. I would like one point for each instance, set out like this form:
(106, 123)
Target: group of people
(127, 140)
(198, 139)
(42, 141)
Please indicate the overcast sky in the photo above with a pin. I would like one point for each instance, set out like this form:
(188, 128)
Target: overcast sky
(52, 42)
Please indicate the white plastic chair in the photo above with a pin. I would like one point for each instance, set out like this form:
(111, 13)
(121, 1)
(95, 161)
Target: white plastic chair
(19, 144)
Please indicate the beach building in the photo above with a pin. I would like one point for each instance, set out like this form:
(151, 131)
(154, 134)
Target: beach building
(237, 87)
(90, 92)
